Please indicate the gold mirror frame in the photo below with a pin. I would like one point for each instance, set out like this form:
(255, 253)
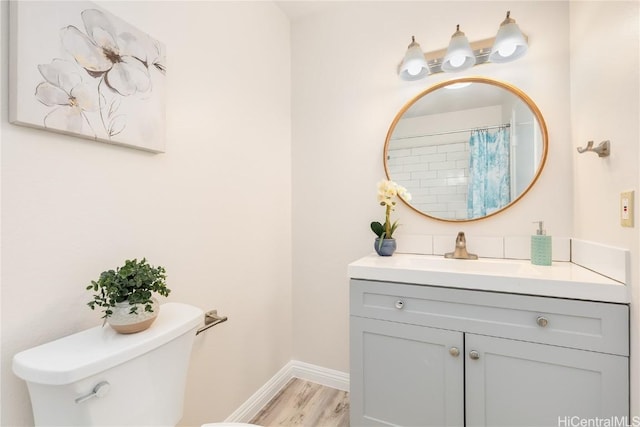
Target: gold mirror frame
(510, 88)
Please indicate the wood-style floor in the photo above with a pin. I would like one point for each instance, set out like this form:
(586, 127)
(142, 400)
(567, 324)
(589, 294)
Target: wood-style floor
(303, 403)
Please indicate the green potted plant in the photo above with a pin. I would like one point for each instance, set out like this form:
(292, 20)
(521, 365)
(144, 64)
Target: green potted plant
(385, 244)
(126, 295)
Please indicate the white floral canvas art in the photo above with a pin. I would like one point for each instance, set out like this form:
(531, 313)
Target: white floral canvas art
(78, 69)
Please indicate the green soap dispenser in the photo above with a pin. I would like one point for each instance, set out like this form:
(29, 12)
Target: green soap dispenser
(540, 246)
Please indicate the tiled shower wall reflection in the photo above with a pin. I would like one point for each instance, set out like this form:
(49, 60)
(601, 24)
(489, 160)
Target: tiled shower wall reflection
(435, 175)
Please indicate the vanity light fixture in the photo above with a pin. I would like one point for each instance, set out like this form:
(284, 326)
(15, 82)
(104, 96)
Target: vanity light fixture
(459, 55)
(414, 65)
(508, 45)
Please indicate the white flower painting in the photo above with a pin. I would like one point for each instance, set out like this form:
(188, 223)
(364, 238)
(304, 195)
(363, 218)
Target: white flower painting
(79, 70)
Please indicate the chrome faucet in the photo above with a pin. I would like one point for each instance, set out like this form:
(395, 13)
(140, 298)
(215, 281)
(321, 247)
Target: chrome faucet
(460, 251)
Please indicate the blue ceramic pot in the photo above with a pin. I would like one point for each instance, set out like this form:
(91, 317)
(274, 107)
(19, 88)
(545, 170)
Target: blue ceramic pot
(388, 247)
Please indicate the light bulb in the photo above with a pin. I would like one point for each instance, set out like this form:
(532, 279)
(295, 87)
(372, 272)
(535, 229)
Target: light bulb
(457, 60)
(414, 68)
(507, 49)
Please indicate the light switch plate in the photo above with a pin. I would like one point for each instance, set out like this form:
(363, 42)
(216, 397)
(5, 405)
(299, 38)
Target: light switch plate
(626, 209)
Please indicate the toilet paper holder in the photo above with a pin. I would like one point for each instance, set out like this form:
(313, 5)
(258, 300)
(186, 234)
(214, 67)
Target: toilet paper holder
(211, 319)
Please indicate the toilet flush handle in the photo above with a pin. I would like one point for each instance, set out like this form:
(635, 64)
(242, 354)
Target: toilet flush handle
(100, 390)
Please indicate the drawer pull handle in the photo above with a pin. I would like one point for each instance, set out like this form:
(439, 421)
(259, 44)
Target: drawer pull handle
(399, 304)
(542, 321)
(454, 351)
(474, 355)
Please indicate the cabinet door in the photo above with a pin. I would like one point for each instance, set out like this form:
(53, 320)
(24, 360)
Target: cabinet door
(516, 383)
(405, 375)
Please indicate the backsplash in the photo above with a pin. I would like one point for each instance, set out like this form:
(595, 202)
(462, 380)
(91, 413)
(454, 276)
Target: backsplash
(609, 261)
(606, 260)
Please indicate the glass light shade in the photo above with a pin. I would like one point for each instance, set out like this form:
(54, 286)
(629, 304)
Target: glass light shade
(510, 43)
(459, 55)
(414, 66)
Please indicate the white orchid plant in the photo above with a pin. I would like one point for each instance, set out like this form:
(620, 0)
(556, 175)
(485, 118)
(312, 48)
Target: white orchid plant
(387, 192)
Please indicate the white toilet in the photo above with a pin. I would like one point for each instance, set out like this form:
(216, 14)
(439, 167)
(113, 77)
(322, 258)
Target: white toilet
(98, 377)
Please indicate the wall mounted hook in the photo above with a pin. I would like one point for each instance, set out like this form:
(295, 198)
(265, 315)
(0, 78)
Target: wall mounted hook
(602, 150)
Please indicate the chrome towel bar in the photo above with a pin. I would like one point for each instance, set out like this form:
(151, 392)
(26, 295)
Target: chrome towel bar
(211, 319)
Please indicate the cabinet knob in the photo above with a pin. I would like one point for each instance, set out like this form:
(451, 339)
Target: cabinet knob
(474, 355)
(542, 321)
(454, 351)
(399, 304)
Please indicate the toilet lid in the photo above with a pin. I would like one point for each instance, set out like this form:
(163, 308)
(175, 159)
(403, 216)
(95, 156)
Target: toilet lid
(94, 351)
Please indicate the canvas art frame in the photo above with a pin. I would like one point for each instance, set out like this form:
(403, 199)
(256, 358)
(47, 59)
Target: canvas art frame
(79, 70)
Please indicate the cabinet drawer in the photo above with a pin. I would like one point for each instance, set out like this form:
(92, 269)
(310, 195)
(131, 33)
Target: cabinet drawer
(587, 325)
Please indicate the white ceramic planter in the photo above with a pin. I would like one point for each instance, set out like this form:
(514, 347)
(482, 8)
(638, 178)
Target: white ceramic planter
(126, 323)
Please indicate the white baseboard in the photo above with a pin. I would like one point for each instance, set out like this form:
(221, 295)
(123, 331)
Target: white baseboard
(293, 369)
(319, 375)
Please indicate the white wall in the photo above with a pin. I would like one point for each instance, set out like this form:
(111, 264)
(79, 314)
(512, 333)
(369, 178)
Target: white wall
(605, 89)
(72, 208)
(345, 95)
(69, 210)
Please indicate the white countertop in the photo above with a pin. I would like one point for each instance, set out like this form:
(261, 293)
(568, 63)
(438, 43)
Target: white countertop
(562, 279)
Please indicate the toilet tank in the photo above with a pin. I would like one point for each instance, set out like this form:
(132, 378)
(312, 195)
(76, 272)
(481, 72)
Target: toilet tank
(145, 373)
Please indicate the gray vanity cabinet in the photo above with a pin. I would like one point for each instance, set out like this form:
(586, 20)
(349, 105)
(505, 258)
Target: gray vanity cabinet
(408, 375)
(517, 383)
(425, 355)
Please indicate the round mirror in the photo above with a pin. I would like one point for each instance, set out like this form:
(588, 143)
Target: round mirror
(466, 149)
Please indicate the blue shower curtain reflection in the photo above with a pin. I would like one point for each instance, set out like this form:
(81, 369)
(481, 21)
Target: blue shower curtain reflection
(489, 178)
